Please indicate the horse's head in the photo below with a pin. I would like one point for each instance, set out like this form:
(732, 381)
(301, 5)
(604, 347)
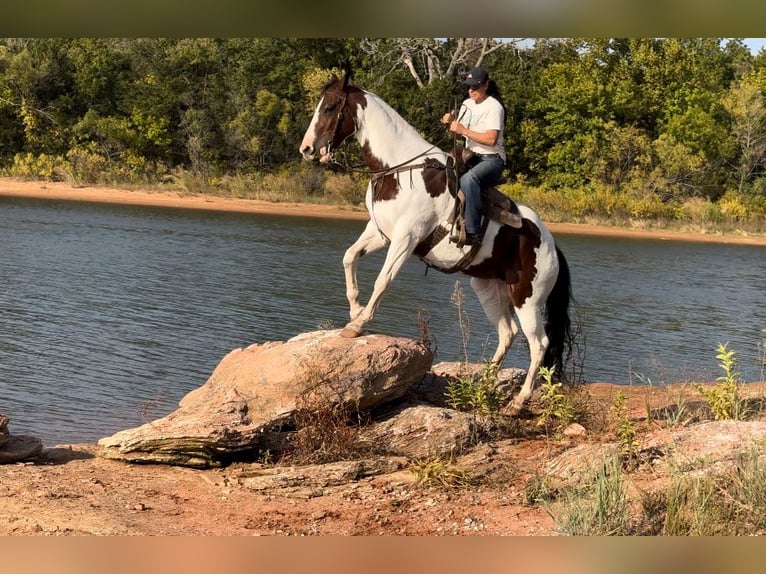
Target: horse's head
(334, 119)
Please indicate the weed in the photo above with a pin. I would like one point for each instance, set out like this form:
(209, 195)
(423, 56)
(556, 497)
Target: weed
(538, 490)
(439, 472)
(265, 457)
(729, 502)
(325, 432)
(327, 418)
(626, 429)
(477, 394)
(723, 398)
(458, 299)
(557, 406)
(748, 489)
(423, 320)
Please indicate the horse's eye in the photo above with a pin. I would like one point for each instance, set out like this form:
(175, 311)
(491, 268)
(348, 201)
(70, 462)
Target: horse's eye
(330, 109)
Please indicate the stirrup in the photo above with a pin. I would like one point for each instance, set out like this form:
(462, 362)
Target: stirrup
(458, 238)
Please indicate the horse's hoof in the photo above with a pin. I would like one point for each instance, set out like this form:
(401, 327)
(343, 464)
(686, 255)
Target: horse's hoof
(350, 333)
(511, 410)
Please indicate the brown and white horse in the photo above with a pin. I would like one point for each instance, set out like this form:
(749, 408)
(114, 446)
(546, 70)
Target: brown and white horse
(409, 202)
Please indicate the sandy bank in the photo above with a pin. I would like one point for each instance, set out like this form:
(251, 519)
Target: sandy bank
(63, 191)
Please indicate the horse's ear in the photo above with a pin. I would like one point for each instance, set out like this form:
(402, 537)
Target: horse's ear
(346, 74)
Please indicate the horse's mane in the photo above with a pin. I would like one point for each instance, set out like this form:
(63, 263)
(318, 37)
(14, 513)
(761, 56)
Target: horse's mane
(403, 127)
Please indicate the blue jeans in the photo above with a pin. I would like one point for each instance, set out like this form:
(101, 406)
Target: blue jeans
(485, 171)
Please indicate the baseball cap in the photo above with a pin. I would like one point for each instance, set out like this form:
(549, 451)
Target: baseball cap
(476, 76)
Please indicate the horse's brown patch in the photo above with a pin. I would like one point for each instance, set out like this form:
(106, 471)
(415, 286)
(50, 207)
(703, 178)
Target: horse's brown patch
(437, 177)
(336, 119)
(513, 260)
(384, 188)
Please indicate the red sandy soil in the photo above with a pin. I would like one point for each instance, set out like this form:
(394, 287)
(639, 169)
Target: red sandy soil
(70, 490)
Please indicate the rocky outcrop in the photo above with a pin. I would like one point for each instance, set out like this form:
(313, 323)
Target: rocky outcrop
(16, 448)
(254, 393)
(696, 450)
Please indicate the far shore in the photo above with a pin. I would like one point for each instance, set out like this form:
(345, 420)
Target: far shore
(64, 192)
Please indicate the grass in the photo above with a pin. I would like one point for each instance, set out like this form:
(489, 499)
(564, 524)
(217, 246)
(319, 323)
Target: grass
(599, 508)
(440, 472)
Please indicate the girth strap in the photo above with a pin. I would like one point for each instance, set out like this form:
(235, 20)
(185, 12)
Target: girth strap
(433, 238)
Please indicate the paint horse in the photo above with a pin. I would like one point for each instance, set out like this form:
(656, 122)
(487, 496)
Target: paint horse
(410, 199)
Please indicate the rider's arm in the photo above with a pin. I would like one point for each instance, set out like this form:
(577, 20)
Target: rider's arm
(488, 137)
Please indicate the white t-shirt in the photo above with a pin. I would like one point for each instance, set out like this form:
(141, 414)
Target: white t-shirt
(488, 115)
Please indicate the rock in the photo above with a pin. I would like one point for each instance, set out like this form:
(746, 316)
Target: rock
(705, 446)
(309, 481)
(698, 450)
(4, 434)
(574, 429)
(254, 393)
(579, 465)
(18, 448)
(423, 430)
(434, 385)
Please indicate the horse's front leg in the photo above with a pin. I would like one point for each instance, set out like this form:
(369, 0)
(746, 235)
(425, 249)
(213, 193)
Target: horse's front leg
(370, 240)
(398, 252)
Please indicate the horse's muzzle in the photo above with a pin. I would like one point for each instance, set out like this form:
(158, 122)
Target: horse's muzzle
(307, 152)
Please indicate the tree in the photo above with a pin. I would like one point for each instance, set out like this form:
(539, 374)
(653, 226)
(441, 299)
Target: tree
(745, 104)
(428, 60)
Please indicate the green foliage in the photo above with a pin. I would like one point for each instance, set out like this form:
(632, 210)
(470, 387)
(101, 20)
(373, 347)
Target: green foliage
(28, 165)
(477, 394)
(728, 500)
(626, 428)
(723, 398)
(538, 490)
(557, 406)
(633, 129)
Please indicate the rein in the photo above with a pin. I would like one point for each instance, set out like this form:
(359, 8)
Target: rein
(402, 166)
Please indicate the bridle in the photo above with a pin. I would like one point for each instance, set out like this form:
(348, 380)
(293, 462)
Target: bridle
(403, 166)
(338, 119)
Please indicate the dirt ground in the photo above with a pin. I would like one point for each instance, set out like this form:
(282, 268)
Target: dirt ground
(70, 490)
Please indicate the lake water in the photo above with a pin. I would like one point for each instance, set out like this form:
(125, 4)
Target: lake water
(110, 314)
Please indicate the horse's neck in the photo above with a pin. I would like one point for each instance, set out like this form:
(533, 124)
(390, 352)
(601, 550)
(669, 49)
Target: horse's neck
(386, 138)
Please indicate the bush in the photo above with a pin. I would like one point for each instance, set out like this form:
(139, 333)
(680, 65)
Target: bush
(344, 188)
(43, 166)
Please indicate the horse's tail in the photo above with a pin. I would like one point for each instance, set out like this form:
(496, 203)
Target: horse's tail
(557, 322)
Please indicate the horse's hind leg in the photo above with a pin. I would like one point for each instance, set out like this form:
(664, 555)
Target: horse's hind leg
(370, 240)
(492, 294)
(533, 324)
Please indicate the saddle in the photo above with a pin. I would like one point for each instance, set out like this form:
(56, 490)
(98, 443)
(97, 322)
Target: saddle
(496, 205)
